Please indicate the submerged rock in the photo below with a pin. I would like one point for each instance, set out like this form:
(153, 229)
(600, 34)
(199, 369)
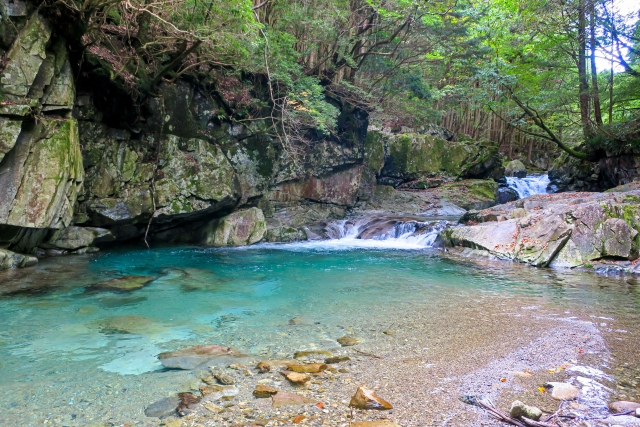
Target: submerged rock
(282, 398)
(519, 410)
(264, 391)
(163, 407)
(347, 341)
(366, 398)
(224, 379)
(122, 284)
(562, 391)
(187, 402)
(201, 355)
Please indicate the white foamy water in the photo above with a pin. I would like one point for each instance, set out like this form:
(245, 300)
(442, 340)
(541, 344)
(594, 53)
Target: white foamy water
(371, 233)
(530, 185)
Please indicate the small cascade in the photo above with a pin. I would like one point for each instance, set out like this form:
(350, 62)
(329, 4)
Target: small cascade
(530, 185)
(388, 231)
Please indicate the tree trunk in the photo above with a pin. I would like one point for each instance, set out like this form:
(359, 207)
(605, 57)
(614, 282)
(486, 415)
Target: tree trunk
(584, 95)
(594, 72)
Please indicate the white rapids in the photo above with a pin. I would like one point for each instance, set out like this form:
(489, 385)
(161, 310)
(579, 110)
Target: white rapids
(529, 186)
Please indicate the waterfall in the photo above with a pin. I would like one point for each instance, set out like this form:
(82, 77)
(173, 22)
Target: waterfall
(385, 232)
(529, 186)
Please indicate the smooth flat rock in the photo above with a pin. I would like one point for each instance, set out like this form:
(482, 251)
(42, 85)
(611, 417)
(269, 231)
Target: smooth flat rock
(162, 407)
(282, 398)
(193, 357)
(122, 284)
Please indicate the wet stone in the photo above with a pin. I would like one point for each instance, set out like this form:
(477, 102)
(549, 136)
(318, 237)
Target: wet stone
(224, 379)
(306, 353)
(296, 378)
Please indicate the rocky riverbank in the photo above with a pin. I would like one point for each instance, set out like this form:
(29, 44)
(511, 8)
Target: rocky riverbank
(589, 230)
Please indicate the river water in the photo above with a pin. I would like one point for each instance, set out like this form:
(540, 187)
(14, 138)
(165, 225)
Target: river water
(531, 185)
(71, 356)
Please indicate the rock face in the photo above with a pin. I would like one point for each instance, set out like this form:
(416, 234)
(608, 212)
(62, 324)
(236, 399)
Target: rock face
(237, 229)
(515, 168)
(565, 230)
(397, 159)
(82, 163)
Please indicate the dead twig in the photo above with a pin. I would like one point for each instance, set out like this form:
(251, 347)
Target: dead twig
(368, 354)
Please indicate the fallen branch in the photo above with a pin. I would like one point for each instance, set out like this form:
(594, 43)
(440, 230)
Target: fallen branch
(501, 416)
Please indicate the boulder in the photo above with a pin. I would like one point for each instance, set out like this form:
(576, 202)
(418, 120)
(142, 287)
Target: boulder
(368, 399)
(237, 229)
(201, 355)
(74, 237)
(515, 168)
(506, 195)
(9, 259)
(519, 410)
(122, 284)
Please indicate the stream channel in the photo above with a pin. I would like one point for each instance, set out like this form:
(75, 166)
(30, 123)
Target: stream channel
(444, 326)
